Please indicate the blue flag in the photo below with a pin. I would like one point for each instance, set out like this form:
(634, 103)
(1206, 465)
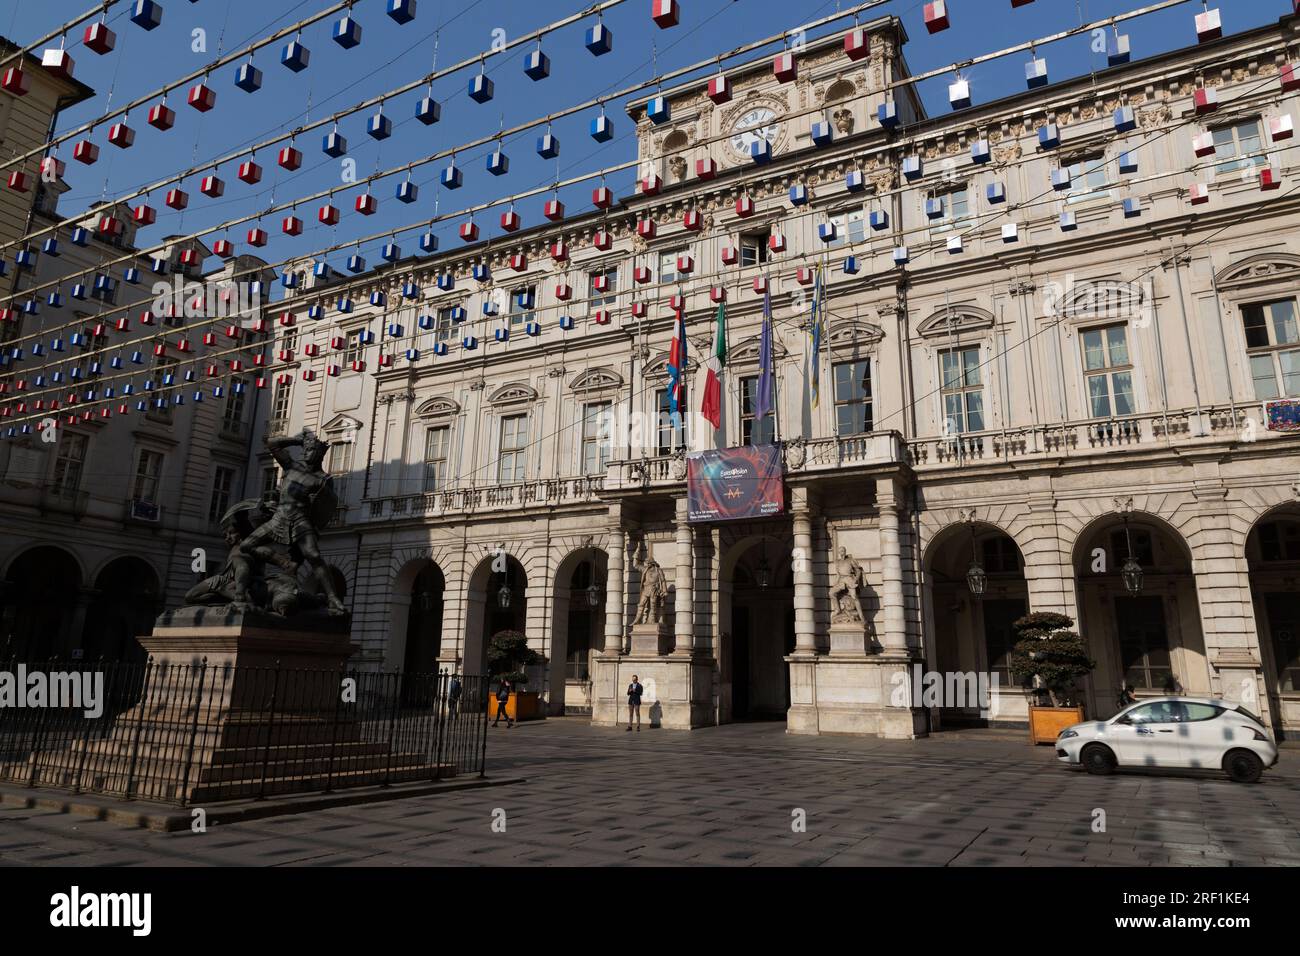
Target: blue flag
(763, 400)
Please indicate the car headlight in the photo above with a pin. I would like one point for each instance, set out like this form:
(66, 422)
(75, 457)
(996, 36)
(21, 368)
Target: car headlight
(1261, 736)
(1066, 734)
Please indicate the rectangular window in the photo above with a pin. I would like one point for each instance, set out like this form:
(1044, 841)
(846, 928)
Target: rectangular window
(523, 299)
(1089, 179)
(669, 438)
(148, 474)
(340, 458)
(1279, 541)
(1108, 371)
(223, 486)
(232, 416)
(280, 401)
(436, 442)
(753, 430)
(443, 325)
(962, 388)
(69, 462)
(1143, 642)
(514, 448)
(595, 437)
(1273, 347)
(753, 248)
(956, 210)
(668, 273)
(850, 228)
(598, 298)
(853, 414)
(289, 340)
(351, 351)
(1235, 144)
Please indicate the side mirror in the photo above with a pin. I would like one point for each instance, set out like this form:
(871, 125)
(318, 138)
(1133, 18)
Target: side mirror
(1123, 720)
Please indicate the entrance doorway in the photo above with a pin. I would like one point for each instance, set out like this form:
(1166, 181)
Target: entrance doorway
(761, 632)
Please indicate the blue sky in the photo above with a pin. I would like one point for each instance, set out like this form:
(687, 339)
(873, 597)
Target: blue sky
(391, 55)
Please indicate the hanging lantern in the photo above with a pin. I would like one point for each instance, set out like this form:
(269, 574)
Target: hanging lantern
(250, 172)
(292, 226)
(334, 144)
(452, 177)
(401, 11)
(693, 221)
(598, 39)
(161, 116)
(85, 152)
(976, 579)
(1198, 194)
(481, 88)
(510, 220)
(646, 228)
(15, 81)
(212, 186)
(665, 13)
(295, 56)
(1281, 127)
(602, 240)
(560, 251)
(248, 78)
(959, 94)
(99, 38)
(257, 237)
(121, 135)
(641, 274)
(290, 158)
(553, 210)
(717, 293)
(379, 126)
(548, 147)
(428, 111)
(347, 32)
(706, 168)
(503, 596)
(1206, 99)
(744, 206)
(147, 14)
(980, 151)
(784, 67)
(19, 181)
(602, 129)
(202, 97)
(537, 65)
(1125, 119)
(1118, 49)
(936, 16)
(1209, 26)
(720, 89)
(1036, 73)
(822, 133)
(730, 255)
(469, 231)
(602, 197)
(328, 214)
(857, 44)
(144, 215)
(367, 204)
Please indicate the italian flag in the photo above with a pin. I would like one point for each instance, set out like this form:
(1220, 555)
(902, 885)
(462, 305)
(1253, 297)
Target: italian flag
(711, 406)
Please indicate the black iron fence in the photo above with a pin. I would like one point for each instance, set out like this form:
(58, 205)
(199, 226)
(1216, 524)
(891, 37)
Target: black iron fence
(199, 732)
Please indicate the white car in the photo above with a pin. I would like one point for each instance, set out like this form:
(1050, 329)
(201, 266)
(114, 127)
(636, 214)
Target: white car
(1196, 733)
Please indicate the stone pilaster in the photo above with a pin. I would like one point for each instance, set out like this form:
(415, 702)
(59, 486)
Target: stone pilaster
(614, 585)
(684, 595)
(893, 635)
(805, 601)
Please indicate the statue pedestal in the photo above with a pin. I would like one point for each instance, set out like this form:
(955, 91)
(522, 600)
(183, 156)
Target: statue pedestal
(850, 639)
(650, 639)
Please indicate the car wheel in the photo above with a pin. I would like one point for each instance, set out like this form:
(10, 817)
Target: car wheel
(1243, 766)
(1097, 758)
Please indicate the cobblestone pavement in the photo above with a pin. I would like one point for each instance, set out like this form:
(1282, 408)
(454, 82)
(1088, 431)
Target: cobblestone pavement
(729, 796)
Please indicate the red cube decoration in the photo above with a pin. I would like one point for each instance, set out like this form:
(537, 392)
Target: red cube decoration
(638, 310)
(553, 210)
(646, 228)
(563, 292)
(856, 43)
(223, 248)
(309, 375)
(110, 226)
(292, 226)
(717, 294)
(338, 342)
(784, 67)
(367, 204)
(730, 255)
(693, 221)
(1203, 145)
(189, 257)
(519, 262)
(600, 283)
(85, 152)
(19, 181)
(1281, 127)
(744, 206)
(288, 318)
(1209, 26)
(665, 13)
(642, 274)
(936, 16)
(686, 263)
(1206, 99)
(706, 168)
(98, 38)
(602, 240)
(58, 63)
(211, 186)
(177, 198)
(202, 97)
(162, 116)
(289, 158)
(776, 242)
(311, 350)
(803, 275)
(15, 81)
(52, 168)
(510, 221)
(760, 284)
(602, 197)
(257, 237)
(720, 89)
(651, 184)
(600, 317)
(328, 214)
(676, 302)
(1199, 194)
(145, 215)
(469, 231)
(1270, 178)
(560, 251)
(121, 135)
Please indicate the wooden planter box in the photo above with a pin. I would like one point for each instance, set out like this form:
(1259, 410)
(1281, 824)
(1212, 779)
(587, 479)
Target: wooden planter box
(1046, 723)
(522, 705)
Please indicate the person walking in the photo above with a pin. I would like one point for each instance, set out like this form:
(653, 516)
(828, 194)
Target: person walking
(453, 696)
(503, 697)
(634, 692)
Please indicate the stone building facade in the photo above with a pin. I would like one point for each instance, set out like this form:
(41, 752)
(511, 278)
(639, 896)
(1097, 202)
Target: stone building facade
(1052, 357)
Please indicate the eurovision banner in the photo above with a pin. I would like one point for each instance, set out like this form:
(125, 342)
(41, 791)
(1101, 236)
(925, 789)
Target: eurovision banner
(729, 484)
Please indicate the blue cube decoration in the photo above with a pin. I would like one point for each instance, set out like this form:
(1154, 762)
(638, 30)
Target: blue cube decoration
(50, 246)
(428, 111)
(54, 300)
(428, 242)
(80, 236)
(1125, 119)
(334, 144)
(502, 335)
(498, 163)
(315, 312)
(602, 129)
(146, 14)
(469, 343)
(425, 322)
(491, 308)
(1128, 162)
(878, 219)
(407, 191)
(1049, 136)
(1117, 49)
(344, 305)
(347, 32)
(4, 268)
(78, 290)
(760, 151)
(446, 281)
(356, 264)
(1061, 180)
(104, 284)
(248, 78)
(458, 313)
(322, 270)
(798, 195)
(1036, 73)
(822, 133)
(887, 114)
(380, 126)
(980, 152)
(295, 56)
(912, 167)
(934, 208)
(131, 275)
(525, 299)
(412, 354)
(851, 267)
(533, 328)
(566, 322)
(599, 40)
(365, 336)
(159, 266)
(402, 11)
(481, 88)
(439, 348)
(481, 272)
(827, 231)
(1132, 207)
(537, 65)
(548, 147)
(25, 259)
(901, 256)
(390, 252)
(289, 279)
(1068, 223)
(378, 298)
(996, 193)
(452, 177)
(56, 344)
(658, 110)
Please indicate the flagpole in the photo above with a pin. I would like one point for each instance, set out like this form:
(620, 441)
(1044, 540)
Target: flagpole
(776, 409)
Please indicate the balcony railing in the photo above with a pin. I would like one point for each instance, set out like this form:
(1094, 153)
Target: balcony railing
(461, 501)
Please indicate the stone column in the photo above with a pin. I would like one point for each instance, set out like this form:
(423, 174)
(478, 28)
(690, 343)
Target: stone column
(684, 596)
(614, 586)
(805, 601)
(893, 636)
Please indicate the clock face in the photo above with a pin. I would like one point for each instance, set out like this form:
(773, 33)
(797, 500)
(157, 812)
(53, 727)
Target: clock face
(752, 126)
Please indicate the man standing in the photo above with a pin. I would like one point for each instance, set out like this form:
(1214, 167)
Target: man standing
(634, 692)
(503, 698)
(453, 696)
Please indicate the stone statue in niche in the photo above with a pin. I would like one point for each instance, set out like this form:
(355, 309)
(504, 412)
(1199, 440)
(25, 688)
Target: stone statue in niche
(844, 590)
(654, 590)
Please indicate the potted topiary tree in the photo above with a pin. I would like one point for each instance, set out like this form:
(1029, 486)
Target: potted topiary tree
(508, 655)
(1053, 658)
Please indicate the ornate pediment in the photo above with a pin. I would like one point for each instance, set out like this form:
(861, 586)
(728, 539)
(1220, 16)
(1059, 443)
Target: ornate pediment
(748, 350)
(515, 393)
(438, 408)
(964, 318)
(596, 379)
(1258, 270)
(340, 425)
(659, 364)
(856, 332)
